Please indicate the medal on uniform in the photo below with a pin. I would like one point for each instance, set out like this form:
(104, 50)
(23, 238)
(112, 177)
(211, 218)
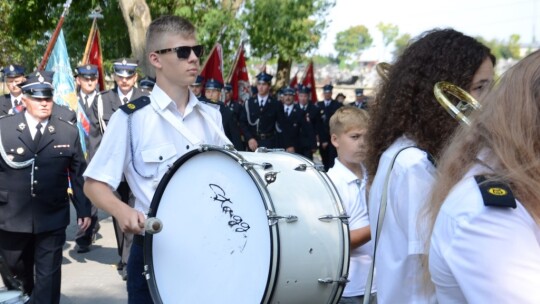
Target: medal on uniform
(51, 129)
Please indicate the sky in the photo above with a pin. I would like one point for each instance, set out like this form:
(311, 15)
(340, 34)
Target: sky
(491, 19)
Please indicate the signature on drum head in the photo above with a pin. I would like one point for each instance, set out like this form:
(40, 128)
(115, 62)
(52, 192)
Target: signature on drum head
(235, 221)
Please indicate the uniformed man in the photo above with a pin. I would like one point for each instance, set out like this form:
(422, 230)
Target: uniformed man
(340, 97)
(107, 103)
(361, 100)
(236, 108)
(39, 152)
(196, 87)
(87, 81)
(327, 107)
(12, 102)
(147, 84)
(313, 116)
(212, 92)
(295, 125)
(261, 115)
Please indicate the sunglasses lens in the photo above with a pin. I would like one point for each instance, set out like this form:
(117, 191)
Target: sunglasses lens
(184, 52)
(198, 50)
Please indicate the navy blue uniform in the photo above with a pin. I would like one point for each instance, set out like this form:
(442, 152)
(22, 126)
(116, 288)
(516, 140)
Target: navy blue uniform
(261, 123)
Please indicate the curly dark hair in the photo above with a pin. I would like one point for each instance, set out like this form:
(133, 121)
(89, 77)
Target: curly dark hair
(405, 104)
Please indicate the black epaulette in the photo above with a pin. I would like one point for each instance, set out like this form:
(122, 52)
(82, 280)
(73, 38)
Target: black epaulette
(495, 193)
(136, 104)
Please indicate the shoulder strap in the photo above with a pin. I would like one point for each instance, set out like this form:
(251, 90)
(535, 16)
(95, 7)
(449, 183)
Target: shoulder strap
(380, 220)
(495, 193)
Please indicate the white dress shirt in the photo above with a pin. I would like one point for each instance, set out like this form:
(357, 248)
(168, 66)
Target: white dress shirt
(482, 254)
(352, 192)
(400, 244)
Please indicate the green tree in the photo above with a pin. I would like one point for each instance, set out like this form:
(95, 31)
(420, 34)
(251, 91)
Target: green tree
(502, 49)
(284, 29)
(352, 42)
(400, 44)
(389, 32)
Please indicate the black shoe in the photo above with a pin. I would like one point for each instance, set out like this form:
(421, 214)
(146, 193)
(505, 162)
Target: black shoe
(83, 249)
(120, 265)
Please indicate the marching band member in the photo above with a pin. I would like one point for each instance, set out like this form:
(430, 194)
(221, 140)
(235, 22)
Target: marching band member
(485, 243)
(409, 125)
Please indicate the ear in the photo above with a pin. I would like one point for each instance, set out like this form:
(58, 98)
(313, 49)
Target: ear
(334, 140)
(155, 60)
(25, 100)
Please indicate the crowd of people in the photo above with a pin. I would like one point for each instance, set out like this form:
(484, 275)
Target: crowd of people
(438, 211)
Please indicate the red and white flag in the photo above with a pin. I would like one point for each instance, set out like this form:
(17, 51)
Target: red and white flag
(239, 78)
(213, 66)
(292, 85)
(309, 81)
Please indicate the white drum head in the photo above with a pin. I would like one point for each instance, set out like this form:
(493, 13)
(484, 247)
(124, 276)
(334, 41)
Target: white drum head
(215, 246)
(11, 297)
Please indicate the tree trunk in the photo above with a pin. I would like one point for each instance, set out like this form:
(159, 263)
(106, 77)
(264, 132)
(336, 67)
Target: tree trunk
(283, 74)
(136, 14)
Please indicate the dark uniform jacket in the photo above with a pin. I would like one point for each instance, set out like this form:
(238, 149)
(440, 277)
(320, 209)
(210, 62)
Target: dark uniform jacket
(260, 122)
(313, 116)
(326, 113)
(43, 205)
(5, 104)
(296, 132)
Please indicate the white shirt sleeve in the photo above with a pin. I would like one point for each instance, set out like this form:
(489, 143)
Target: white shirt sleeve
(112, 156)
(495, 256)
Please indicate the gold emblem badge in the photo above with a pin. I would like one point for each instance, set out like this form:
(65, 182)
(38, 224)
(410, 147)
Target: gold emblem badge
(131, 106)
(124, 62)
(88, 67)
(20, 150)
(497, 191)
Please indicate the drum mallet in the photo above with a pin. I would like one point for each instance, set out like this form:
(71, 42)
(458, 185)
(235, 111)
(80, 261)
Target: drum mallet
(153, 225)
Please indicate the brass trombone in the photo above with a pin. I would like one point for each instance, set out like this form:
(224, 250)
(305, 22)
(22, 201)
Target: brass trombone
(383, 68)
(463, 108)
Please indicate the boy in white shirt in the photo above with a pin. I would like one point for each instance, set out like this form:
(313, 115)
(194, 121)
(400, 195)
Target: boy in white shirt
(348, 127)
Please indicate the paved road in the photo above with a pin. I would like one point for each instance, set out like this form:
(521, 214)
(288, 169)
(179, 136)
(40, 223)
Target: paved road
(92, 278)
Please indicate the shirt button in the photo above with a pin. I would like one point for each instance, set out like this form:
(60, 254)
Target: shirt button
(187, 147)
(35, 182)
(33, 195)
(36, 168)
(160, 157)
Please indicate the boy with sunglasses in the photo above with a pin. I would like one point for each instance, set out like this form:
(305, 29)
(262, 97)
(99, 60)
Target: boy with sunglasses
(149, 134)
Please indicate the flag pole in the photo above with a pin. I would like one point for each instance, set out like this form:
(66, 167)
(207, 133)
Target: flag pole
(52, 42)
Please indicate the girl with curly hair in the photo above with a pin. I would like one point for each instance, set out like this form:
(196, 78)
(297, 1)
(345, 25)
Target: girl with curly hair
(485, 207)
(407, 115)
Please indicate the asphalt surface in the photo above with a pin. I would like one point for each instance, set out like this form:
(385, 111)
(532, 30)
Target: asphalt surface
(92, 278)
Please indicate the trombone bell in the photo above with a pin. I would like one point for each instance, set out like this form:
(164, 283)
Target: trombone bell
(463, 108)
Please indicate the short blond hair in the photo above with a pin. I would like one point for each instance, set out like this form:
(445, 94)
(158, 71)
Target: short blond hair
(347, 118)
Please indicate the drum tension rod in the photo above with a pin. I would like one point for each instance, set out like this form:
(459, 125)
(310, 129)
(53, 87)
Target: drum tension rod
(327, 218)
(340, 281)
(265, 166)
(303, 167)
(273, 218)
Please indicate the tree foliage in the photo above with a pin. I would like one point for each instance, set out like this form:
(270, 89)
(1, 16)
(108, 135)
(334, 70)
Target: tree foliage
(504, 49)
(352, 42)
(284, 29)
(401, 43)
(389, 32)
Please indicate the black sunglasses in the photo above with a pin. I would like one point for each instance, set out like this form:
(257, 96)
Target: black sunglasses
(183, 52)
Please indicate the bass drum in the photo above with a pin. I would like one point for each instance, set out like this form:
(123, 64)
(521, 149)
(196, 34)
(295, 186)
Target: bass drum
(12, 297)
(246, 227)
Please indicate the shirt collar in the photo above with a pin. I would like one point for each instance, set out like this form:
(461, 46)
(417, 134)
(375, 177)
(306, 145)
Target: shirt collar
(347, 174)
(163, 100)
(128, 95)
(32, 122)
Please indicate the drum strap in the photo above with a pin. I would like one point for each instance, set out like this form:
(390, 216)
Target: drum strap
(380, 220)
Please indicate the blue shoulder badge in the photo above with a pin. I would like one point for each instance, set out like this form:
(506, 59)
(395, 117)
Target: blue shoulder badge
(495, 193)
(136, 104)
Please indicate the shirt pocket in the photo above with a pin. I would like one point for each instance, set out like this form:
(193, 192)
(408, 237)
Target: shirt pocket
(156, 160)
